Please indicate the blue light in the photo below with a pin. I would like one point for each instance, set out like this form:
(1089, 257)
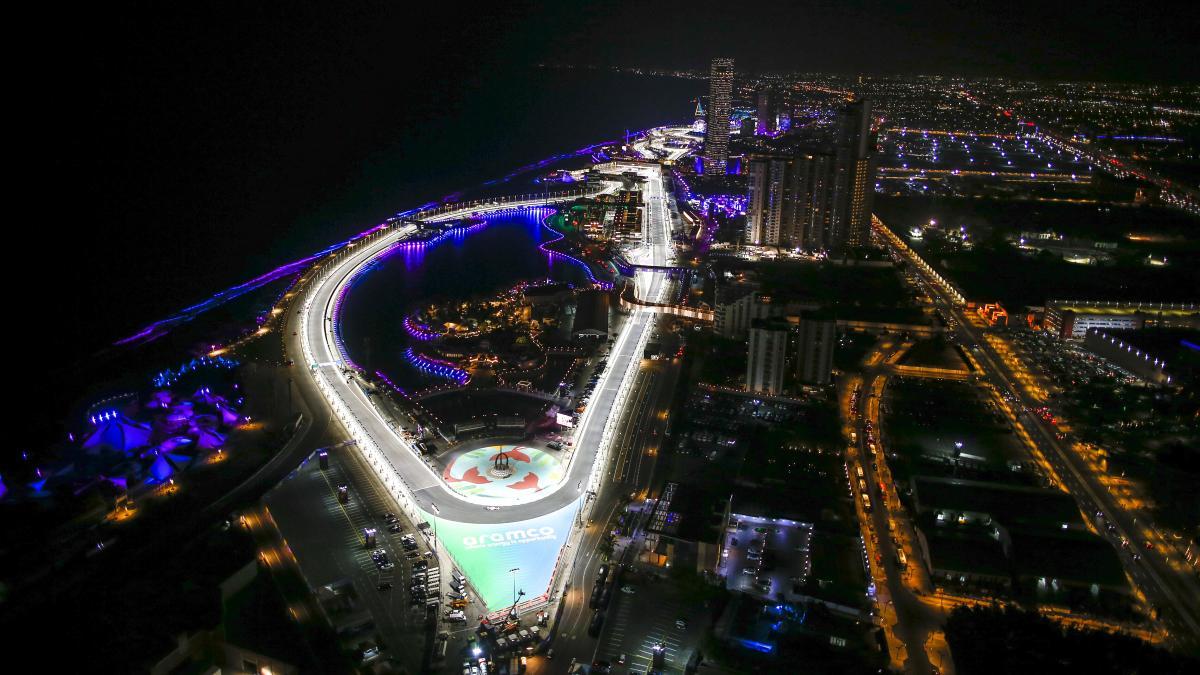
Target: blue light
(757, 646)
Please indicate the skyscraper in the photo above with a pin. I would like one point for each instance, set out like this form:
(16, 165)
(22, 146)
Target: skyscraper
(817, 198)
(856, 158)
(767, 354)
(765, 196)
(768, 106)
(814, 349)
(716, 133)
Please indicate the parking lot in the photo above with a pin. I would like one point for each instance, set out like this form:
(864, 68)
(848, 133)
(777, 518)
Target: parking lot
(766, 557)
(655, 615)
(393, 580)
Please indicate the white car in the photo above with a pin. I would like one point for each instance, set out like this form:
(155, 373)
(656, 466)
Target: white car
(492, 508)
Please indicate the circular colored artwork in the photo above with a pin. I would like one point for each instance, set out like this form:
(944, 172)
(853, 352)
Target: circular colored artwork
(503, 472)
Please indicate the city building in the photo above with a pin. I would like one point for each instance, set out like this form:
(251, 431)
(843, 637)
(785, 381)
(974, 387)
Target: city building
(225, 648)
(768, 111)
(815, 341)
(724, 308)
(996, 536)
(767, 356)
(741, 305)
(1147, 353)
(720, 101)
(1071, 319)
(591, 316)
(747, 128)
(816, 198)
(765, 196)
(855, 188)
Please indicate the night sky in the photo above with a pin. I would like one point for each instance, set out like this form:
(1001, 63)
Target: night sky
(169, 138)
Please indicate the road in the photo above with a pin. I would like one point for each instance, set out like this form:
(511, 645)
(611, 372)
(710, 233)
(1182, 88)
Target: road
(635, 442)
(1176, 594)
(325, 380)
(906, 620)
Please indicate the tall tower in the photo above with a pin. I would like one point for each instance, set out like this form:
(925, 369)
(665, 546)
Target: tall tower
(856, 155)
(716, 133)
(817, 198)
(768, 111)
(766, 356)
(815, 342)
(767, 195)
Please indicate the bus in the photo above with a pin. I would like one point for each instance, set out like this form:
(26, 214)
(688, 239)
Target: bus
(901, 559)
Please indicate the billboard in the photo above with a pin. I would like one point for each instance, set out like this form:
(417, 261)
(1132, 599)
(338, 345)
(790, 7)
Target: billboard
(486, 554)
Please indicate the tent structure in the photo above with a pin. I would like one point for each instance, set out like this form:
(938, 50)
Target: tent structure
(119, 433)
(229, 416)
(161, 469)
(208, 439)
(206, 395)
(160, 399)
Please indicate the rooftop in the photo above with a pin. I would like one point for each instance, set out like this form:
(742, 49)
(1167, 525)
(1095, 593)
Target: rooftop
(972, 553)
(1009, 505)
(1069, 556)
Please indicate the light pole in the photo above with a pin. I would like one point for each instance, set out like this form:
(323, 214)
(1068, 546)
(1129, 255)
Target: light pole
(513, 612)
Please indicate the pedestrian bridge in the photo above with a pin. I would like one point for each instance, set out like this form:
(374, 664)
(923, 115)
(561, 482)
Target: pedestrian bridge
(630, 302)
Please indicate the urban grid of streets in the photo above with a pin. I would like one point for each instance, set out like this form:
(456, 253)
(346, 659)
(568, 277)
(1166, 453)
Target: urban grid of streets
(1174, 594)
(909, 618)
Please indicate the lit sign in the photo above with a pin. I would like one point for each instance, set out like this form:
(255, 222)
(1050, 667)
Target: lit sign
(486, 553)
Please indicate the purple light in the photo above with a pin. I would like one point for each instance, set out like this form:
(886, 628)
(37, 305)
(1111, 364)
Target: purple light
(729, 205)
(602, 285)
(160, 328)
(393, 385)
(436, 367)
(418, 332)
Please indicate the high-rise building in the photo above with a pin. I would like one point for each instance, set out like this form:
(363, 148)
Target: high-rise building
(716, 132)
(766, 359)
(768, 111)
(738, 307)
(815, 198)
(857, 160)
(815, 342)
(765, 195)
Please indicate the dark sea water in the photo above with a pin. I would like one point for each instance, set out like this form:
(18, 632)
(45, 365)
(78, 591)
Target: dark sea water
(477, 264)
(187, 193)
(485, 133)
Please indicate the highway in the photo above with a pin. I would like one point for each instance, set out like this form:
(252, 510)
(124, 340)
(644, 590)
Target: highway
(1174, 593)
(637, 428)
